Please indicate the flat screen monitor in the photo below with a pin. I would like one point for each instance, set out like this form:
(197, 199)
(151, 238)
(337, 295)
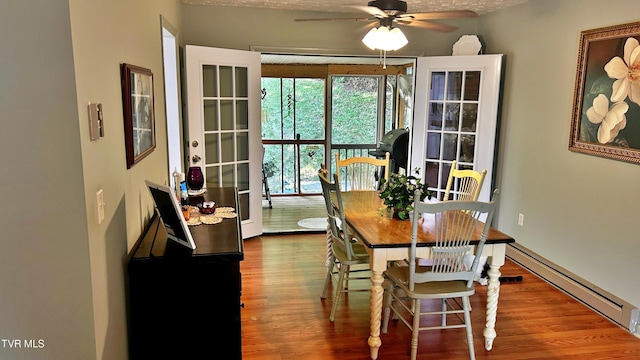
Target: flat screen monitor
(170, 214)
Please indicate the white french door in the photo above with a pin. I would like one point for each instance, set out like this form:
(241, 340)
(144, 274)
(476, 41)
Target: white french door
(223, 107)
(455, 117)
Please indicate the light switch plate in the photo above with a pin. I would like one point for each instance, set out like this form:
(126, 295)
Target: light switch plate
(100, 203)
(96, 125)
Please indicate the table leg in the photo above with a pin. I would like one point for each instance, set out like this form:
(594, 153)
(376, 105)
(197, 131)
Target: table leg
(493, 291)
(377, 293)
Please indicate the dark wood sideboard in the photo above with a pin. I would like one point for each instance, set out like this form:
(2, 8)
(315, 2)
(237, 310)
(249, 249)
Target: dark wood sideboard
(183, 303)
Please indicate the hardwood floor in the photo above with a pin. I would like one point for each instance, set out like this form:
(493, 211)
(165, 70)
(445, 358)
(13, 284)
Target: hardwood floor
(284, 317)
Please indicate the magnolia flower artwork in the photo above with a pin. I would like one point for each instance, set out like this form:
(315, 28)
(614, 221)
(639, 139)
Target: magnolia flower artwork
(608, 110)
(610, 119)
(606, 118)
(626, 72)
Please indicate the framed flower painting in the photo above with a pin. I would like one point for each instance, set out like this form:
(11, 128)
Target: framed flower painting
(606, 106)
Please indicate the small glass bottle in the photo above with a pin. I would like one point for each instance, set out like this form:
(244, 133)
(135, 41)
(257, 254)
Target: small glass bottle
(184, 196)
(176, 183)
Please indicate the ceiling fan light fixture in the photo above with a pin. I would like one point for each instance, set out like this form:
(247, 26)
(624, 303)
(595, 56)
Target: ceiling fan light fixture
(370, 39)
(383, 38)
(398, 40)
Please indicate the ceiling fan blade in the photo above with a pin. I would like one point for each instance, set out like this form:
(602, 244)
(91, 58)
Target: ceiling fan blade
(371, 10)
(365, 28)
(439, 15)
(335, 19)
(428, 25)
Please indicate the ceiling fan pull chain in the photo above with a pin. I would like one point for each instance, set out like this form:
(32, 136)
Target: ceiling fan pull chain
(384, 59)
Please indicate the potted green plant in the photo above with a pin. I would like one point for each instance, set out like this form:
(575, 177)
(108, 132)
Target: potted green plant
(397, 194)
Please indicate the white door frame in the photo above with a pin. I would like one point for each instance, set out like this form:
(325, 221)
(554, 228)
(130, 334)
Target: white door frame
(490, 68)
(195, 58)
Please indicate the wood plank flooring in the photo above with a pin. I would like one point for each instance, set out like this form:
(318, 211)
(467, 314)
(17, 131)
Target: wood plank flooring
(286, 211)
(284, 318)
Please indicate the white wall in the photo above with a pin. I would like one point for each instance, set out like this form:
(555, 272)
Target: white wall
(580, 210)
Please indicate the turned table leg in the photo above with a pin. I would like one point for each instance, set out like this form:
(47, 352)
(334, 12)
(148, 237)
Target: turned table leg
(377, 293)
(493, 291)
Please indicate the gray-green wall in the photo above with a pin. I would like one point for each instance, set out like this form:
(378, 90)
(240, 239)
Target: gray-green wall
(62, 274)
(581, 211)
(45, 284)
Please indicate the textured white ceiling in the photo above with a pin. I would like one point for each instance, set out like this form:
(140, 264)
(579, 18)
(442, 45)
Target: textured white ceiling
(480, 7)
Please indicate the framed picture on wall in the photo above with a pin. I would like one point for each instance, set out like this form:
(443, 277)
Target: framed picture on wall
(139, 122)
(606, 108)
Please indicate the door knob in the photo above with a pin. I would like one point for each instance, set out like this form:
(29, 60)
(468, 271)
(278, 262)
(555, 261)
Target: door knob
(196, 159)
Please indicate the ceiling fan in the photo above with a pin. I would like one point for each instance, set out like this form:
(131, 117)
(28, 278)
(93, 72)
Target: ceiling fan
(390, 13)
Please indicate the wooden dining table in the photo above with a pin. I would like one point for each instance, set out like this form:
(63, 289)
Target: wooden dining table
(388, 239)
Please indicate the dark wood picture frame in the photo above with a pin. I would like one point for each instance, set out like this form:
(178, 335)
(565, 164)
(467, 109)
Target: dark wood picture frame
(606, 109)
(139, 119)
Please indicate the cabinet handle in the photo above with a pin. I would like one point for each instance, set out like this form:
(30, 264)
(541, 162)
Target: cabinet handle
(242, 305)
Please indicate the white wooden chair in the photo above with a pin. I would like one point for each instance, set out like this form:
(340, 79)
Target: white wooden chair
(447, 276)
(362, 173)
(345, 251)
(463, 185)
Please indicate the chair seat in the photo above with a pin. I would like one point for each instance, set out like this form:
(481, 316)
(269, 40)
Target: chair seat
(360, 255)
(429, 290)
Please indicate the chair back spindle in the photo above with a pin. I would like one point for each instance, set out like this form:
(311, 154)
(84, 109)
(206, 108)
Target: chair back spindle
(464, 185)
(456, 224)
(335, 215)
(362, 173)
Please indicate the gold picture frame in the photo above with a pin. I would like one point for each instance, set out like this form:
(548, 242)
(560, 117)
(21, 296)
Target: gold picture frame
(139, 120)
(606, 106)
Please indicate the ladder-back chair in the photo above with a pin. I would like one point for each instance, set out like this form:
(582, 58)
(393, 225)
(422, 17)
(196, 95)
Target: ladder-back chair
(464, 185)
(345, 251)
(457, 224)
(362, 173)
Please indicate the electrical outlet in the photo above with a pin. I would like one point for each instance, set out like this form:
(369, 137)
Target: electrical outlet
(100, 203)
(521, 219)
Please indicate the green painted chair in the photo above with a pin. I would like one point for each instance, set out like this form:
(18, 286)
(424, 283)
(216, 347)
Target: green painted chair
(345, 251)
(447, 277)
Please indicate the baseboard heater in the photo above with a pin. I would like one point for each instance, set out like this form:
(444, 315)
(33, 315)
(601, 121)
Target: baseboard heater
(611, 307)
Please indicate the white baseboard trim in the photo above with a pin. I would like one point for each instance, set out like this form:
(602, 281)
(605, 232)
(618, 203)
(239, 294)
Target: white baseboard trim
(608, 305)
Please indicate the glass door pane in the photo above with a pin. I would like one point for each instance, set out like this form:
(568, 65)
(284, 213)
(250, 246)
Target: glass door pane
(451, 129)
(356, 121)
(354, 110)
(226, 161)
(293, 132)
(311, 157)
